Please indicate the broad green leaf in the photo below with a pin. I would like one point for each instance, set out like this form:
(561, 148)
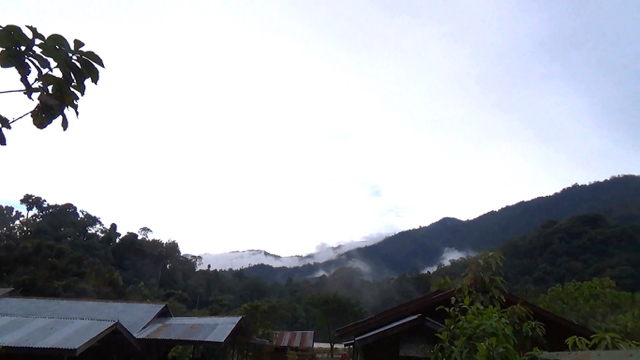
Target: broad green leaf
(42, 61)
(59, 41)
(4, 122)
(79, 76)
(35, 33)
(77, 44)
(90, 70)
(43, 115)
(65, 122)
(7, 59)
(79, 87)
(49, 79)
(53, 52)
(93, 57)
(12, 36)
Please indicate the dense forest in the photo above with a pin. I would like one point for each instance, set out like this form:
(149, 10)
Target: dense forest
(618, 199)
(58, 250)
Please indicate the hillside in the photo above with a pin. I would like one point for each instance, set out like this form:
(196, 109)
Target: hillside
(577, 249)
(60, 251)
(617, 199)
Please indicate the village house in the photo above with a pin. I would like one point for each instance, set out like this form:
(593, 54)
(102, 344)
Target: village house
(48, 328)
(407, 330)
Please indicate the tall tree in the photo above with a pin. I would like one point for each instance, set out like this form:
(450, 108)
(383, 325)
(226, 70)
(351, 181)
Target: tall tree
(333, 311)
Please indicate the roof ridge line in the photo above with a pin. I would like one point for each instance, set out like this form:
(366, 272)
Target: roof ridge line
(56, 317)
(109, 301)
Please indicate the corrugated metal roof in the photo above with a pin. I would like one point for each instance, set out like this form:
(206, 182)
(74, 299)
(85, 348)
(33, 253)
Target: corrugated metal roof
(133, 316)
(363, 339)
(5, 291)
(213, 329)
(73, 335)
(388, 327)
(296, 339)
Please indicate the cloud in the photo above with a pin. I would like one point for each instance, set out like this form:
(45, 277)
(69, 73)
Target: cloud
(324, 252)
(375, 190)
(448, 255)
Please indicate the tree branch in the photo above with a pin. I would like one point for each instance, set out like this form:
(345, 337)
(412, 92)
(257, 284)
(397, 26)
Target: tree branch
(34, 90)
(12, 91)
(14, 120)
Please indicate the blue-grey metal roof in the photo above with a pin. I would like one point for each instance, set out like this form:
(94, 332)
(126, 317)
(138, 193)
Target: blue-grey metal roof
(73, 335)
(213, 329)
(133, 316)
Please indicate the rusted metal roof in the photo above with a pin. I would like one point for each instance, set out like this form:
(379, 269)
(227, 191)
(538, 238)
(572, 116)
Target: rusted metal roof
(68, 336)
(295, 339)
(212, 329)
(133, 316)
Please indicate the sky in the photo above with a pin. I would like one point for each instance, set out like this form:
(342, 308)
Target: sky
(295, 125)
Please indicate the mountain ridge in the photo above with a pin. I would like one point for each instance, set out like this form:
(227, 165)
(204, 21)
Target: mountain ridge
(423, 247)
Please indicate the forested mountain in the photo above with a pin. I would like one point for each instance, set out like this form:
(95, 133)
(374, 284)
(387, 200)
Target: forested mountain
(577, 249)
(617, 199)
(58, 250)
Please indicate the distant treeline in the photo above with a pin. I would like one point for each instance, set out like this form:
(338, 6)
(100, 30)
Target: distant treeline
(58, 250)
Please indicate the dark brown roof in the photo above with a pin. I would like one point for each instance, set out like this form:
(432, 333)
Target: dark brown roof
(391, 315)
(557, 328)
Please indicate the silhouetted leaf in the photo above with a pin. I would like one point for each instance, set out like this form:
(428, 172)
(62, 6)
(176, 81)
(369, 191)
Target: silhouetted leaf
(35, 33)
(44, 115)
(7, 59)
(90, 70)
(59, 41)
(12, 36)
(65, 122)
(80, 77)
(93, 57)
(42, 61)
(4, 122)
(77, 44)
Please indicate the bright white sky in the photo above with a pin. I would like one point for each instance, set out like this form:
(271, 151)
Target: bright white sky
(232, 125)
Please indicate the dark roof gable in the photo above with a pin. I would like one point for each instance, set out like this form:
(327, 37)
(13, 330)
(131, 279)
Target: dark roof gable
(558, 328)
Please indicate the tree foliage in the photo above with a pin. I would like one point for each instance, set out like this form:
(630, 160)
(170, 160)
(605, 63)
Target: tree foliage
(596, 304)
(333, 311)
(61, 251)
(479, 325)
(49, 67)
